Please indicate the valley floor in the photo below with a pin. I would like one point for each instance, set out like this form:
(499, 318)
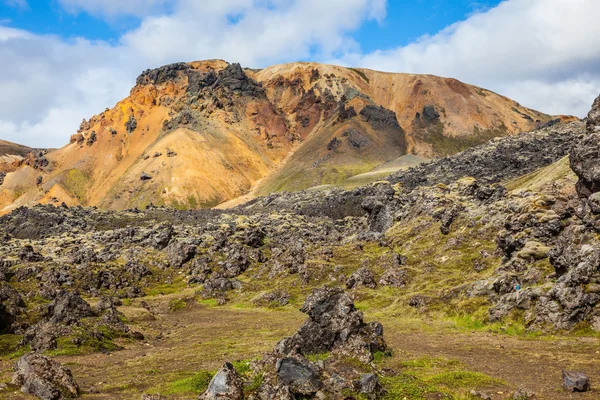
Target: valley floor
(183, 339)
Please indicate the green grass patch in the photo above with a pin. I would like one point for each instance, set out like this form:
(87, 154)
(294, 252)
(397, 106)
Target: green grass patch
(166, 288)
(463, 379)
(10, 346)
(317, 357)
(177, 304)
(408, 387)
(195, 384)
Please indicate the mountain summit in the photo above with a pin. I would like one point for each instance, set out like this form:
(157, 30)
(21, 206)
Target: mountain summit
(195, 135)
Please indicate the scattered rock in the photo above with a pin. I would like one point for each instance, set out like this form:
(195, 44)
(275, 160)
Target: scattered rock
(226, 384)
(362, 277)
(575, 381)
(45, 378)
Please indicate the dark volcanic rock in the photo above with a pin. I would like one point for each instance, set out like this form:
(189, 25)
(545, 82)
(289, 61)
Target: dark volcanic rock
(585, 163)
(499, 160)
(45, 378)
(302, 377)
(430, 114)
(575, 381)
(226, 385)
(380, 118)
(161, 75)
(69, 308)
(334, 144)
(593, 117)
(234, 79)
(178, 253)
(11, 306)
(334, 323)
(131, 124)
(2, 176)
(362, 277)
(356, 138)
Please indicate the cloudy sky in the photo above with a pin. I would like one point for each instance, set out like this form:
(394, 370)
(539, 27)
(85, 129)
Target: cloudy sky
(65, 60)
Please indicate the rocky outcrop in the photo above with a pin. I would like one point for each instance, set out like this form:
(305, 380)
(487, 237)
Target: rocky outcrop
(11, 307)
(380, 117)
(585, 157)
(499, 160)
(333, 325)
(226, 384)
(45, 378)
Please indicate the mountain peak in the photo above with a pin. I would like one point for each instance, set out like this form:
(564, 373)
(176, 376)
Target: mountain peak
(206, 132)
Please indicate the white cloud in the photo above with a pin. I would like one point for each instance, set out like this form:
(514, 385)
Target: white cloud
(54, 84)
(113, 8)
(545, 54)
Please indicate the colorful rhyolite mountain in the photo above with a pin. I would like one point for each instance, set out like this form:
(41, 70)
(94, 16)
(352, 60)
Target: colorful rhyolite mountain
(199, 134)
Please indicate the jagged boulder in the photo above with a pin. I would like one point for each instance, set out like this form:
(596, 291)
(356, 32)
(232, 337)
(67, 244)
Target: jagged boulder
(575, 381)
(225, 385)
(585, 157)
(593, 117)
(68, 308)
(362, 277)
(178, 253)
(11, 306)
(334, 324)
(45, 378)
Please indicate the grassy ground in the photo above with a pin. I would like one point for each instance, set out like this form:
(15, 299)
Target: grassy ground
(185, 345)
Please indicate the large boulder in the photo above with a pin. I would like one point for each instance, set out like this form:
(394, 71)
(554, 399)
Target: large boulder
(575, 381)
(45, 378)
(334, 324)
(225, 385)
(178, 253)
(68, 308)
(593, 118)
(585, 157)
(11, 306)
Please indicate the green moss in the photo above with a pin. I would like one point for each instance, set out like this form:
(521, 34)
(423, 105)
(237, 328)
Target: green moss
(76, 182)
(360, 73)
(253, 385)
(408, 387)
(177, 304)
(10, 346)
(463, 379)
(166, 288)
(242, 367)
(446, 145)
(317, 357)
(193, 385)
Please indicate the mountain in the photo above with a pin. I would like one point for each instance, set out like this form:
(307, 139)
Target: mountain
(195, 135)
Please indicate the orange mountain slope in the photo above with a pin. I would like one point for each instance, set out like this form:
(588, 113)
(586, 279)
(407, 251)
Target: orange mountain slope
(198, 134)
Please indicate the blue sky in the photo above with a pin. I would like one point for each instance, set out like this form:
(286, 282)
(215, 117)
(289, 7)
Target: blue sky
(404, 23)
(65, 60)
